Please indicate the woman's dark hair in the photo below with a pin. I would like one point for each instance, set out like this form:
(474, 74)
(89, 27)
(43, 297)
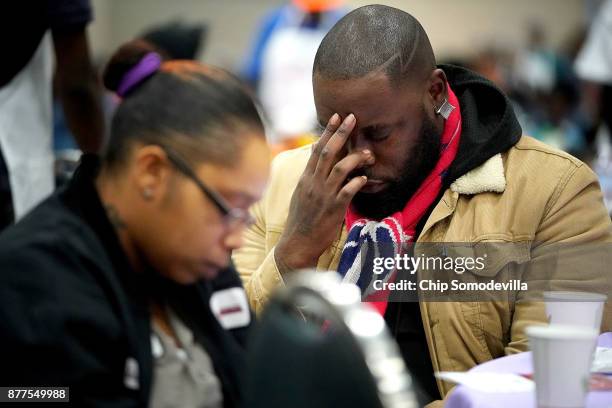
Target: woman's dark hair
(201, 111)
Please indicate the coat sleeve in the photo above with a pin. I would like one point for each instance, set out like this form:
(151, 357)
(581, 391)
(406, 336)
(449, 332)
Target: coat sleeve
(256, 263)
(255, 259)
(576, 231)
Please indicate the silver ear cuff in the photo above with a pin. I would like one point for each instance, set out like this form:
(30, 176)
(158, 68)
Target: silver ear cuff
(445, 109)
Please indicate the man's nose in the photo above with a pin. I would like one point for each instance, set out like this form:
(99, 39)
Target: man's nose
(357, 142)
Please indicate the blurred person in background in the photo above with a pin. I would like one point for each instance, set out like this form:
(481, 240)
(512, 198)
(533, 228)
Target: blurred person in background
(112, 285)
(174, 40)
(545, 89)
(594, 67)
(535, 64)
(279, 67)
(178, 39)
(33, 31)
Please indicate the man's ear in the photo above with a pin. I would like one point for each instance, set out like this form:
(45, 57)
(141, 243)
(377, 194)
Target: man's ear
(437, 91)
(152, 172)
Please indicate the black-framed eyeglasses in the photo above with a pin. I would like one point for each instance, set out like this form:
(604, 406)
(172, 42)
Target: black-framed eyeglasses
(233, 216)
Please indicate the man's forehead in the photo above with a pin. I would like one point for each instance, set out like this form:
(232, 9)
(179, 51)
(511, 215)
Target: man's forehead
(372, 82)
(371, 98)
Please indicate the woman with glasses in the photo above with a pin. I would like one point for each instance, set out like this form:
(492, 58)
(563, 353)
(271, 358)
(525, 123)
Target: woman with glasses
(119, 285)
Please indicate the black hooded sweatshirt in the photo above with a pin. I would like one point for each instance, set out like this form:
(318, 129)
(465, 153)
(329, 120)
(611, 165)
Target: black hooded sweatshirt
(489, 127)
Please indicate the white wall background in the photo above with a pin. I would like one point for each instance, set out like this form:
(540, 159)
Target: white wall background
(455, 27)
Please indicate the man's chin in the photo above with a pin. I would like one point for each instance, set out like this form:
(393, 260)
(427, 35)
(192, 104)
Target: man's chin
(376, 205)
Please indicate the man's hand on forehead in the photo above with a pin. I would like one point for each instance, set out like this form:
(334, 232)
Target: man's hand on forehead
(322, 196)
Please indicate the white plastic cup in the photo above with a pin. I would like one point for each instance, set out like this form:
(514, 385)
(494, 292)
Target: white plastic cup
(575, 308)
(562, 357)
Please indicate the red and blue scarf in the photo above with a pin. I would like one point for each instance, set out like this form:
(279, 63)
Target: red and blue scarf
(369, 239)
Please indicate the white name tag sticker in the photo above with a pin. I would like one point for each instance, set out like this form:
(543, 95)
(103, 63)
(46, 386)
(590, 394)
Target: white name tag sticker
(131, 374)
(231, 308)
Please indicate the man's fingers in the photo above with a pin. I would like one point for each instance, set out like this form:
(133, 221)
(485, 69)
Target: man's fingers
(344, 167)
(345, 196)
(332, 125)
(328, 153)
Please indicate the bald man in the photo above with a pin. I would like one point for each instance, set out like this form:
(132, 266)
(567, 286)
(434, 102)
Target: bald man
(412, 152)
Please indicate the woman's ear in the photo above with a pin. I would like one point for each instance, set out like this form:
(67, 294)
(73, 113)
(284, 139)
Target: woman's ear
(152, 172)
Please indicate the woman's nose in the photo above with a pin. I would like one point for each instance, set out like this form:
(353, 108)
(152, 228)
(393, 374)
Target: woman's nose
(235, 238)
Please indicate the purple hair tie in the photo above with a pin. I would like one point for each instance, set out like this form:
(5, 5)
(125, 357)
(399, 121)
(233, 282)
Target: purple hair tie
(148, 65)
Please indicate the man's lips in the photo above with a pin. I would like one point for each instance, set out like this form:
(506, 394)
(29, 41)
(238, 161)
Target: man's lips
(373, 186)
(375, 182)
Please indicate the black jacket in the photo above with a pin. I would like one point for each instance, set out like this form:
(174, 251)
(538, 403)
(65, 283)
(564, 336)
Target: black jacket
(73, 312)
